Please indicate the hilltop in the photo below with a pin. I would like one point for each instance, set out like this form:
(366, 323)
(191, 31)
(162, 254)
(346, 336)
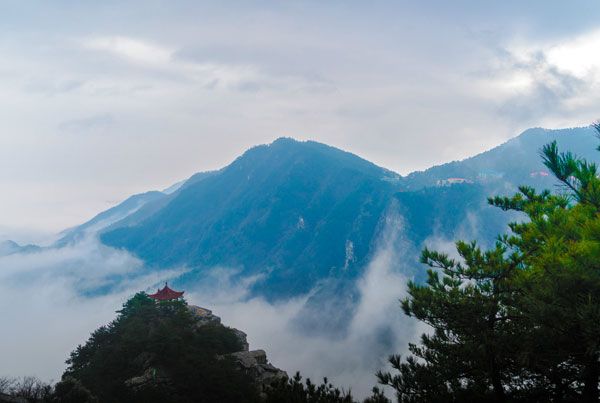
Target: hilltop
(167, 351)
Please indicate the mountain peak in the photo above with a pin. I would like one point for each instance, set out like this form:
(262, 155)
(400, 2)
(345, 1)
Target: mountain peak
(285, 140)
(287, 150)
(286, 207)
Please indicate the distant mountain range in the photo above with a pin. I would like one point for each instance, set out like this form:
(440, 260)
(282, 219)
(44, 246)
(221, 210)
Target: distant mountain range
(515, 162)
(10, 248)
(298, 215)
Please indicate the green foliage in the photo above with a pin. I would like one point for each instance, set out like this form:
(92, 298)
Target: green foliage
(466, 305)
(155, 352)
(160, 344)
(378, 396)
(248, 215)
(521, 321)
(293, 390)
(70, 390)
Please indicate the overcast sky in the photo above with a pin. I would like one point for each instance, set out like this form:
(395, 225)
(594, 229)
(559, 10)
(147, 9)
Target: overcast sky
(100, 100)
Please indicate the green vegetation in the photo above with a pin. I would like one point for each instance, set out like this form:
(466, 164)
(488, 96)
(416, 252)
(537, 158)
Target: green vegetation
(290, 206)
(153, 352)
(185, 363)
(159, 352)
(521, 321)
(293, 390)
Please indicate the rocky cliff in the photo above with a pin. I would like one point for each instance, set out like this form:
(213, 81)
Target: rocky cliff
(251, 362)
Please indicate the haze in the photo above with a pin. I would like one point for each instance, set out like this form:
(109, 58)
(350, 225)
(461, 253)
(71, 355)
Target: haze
(101, 100)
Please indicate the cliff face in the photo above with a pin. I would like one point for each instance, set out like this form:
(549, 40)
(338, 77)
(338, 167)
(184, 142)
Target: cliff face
(252, 362)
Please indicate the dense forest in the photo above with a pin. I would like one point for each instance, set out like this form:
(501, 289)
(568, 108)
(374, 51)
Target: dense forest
(517, 322)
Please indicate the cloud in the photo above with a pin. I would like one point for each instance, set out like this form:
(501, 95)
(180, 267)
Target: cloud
(50, 302)
(130, 49)
(544, 82)
(376, 327)
(96, 123)
(192, 87)
(578, 55)
(57, 297)
(53, 87)
(209, 75)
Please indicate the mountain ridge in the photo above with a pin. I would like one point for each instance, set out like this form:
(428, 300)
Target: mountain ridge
(393, 175)
(296, 213)
(267, 201)
(581, 140)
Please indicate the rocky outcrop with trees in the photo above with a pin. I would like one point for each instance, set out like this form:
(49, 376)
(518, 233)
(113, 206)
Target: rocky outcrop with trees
(170, 351)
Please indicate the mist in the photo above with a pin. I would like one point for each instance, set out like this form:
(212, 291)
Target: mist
(377, 328)
(53, 299)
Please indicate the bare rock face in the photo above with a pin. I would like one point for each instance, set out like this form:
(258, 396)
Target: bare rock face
(203, 315)
(151, 376)
(242, 337)
(253, 363)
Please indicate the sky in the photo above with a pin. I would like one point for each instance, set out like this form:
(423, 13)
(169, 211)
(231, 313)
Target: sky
(101, 100)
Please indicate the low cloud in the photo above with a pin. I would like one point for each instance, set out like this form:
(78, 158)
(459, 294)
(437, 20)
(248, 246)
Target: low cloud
(50, 302)
(53, 300)
(376, 329)
(95, 123)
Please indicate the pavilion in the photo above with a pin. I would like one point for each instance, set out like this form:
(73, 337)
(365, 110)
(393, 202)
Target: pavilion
(166, 294)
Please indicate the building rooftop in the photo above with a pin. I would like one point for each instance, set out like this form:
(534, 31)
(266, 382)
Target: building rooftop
(166, 294)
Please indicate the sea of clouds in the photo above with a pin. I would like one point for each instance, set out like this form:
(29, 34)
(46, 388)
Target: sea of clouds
(53, 299)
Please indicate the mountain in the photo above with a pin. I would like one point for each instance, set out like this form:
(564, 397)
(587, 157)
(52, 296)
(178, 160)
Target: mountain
(302, 216)
(11, 247)
(515, 162)
(449, 201)
(110, 216)
(291, 212)
(129, 212)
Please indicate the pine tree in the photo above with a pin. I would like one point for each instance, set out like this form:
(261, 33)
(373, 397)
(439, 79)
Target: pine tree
(519, 322)
(561, 288)
(467, 304)
(294, 390)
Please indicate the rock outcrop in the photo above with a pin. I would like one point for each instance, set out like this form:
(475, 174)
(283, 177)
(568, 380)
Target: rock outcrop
(203, 315)
(151, 376)
(253, 363)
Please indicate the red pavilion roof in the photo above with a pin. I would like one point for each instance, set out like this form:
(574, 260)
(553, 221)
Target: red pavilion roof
(166, 294)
